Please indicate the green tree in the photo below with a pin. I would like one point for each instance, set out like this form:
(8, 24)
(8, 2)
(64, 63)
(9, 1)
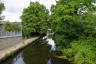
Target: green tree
(2, 7)
(67, 17)
(10, 26)
(75, 20)
(82, 51)
(34, 19)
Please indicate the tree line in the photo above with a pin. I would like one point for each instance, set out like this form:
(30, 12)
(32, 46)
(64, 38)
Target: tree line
(74, 24)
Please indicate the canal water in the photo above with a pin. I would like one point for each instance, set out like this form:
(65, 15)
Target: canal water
(36, 53)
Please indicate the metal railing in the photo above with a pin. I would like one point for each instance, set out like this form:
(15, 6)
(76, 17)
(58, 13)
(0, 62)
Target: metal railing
(10, 33)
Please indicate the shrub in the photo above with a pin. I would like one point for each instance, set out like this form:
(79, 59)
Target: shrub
(82, 51)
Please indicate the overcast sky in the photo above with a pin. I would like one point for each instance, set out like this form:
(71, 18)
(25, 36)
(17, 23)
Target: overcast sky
(14, 7)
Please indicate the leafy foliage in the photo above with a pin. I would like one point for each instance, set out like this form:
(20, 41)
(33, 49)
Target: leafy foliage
(89, 24)
(11, 26)
(34, 19)
(82, 51)
(74, 24)
(72, 19)
(75, 20)
(2, 7)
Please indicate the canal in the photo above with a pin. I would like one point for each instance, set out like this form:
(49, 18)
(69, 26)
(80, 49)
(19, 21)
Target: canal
(36, 53)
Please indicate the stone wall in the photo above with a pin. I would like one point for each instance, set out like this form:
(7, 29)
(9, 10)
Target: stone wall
(6, 42)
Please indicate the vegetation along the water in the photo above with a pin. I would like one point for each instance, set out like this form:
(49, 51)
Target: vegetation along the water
(72, 21)
(74, 25)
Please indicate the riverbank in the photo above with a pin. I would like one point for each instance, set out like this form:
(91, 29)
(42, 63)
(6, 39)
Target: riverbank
(8, 51)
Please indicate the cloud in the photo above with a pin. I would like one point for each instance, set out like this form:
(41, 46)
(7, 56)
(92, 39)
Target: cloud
(14, 8)
(47, 3)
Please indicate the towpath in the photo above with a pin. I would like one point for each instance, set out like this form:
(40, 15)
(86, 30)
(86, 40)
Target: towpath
(24, 43)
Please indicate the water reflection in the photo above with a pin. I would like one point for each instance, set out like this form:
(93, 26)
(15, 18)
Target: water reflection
(50, 41)
(18, 59)
(49, 61)
(36, 53)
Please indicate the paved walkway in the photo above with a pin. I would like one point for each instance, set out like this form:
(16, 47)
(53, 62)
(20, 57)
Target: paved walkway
(5, 52)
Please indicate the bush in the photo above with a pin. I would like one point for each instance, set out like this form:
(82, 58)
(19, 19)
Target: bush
(82, 51)
(10, 26)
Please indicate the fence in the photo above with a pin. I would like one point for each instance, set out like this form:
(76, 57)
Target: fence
(10, 33)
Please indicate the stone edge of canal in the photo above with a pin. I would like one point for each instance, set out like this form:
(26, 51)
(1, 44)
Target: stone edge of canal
(6, 53)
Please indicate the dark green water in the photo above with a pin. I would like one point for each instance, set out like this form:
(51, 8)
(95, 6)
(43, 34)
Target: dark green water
(36, 53)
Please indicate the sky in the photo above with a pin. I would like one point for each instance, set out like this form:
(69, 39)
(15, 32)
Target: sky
(14, 8)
